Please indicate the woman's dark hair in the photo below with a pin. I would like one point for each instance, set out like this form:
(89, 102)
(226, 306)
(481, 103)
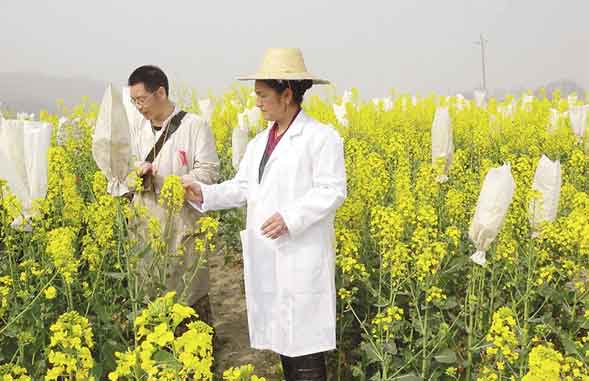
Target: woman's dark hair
(151, 76)
(298, 87)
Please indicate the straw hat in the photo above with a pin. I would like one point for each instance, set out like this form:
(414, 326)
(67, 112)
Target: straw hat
(285, 64)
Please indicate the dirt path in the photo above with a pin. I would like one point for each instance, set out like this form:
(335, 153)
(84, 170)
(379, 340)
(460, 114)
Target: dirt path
(230, 321)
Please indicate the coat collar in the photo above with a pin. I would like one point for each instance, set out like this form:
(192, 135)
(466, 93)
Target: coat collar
(283, 146)
(295, 129)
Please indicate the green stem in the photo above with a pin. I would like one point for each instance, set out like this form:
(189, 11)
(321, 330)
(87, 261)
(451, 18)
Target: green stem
(376, 351)
(28, 307)
(424, 361)
(470, 323)
(68, 294)
(526, 317)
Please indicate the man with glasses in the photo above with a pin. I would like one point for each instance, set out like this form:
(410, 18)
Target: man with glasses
(168, 141)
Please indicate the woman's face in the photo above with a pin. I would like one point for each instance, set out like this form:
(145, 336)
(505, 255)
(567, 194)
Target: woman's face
(272, 104)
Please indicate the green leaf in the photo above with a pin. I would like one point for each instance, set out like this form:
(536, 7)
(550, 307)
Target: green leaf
(370, 352)
(166, 358)
(390, 347)
(446, 356)
(449, 303)
(117, 276)
(408, 377)
(569, 345)
(357, 372)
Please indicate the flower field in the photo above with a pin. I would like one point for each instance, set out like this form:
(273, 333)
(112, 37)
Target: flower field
(412, 303)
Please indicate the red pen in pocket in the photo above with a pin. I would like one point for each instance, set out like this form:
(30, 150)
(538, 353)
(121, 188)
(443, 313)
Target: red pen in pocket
(183, 157)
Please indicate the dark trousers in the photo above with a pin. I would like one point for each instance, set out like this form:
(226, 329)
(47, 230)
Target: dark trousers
(304, 368)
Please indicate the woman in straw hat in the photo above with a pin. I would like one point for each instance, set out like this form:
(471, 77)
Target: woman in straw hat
(292, 179)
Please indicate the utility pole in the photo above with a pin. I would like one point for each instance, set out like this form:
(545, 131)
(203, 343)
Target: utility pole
(482, 43)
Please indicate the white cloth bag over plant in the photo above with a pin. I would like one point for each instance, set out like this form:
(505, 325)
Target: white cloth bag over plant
(24, 146)
(12, 166)
(246, 120)
(442, 141)
(494, 200)
(37, 140)
(133, 115)
(111, 142)
(578, 118)
(547, 182)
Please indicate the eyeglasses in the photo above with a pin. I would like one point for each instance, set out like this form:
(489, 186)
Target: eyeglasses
(140, 101)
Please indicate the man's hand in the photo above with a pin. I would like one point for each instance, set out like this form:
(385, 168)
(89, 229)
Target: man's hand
(145, 169)
(193, 190)
(274, 226)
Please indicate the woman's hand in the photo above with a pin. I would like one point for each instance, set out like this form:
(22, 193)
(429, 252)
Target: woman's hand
(274, 227)
(193, 190)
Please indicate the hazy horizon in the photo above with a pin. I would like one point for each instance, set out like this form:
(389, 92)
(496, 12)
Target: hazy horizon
(411, 46)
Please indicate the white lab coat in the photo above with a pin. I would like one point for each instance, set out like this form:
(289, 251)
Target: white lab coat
(289, 282)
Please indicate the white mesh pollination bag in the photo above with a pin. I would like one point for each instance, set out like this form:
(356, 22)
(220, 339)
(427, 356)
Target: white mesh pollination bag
(460, 101)
(111, 142)
(340, 110)
(340, 114)
(68, 130)
(578, 118)
(572, 100)
(494, 200)
(206, 108)
(24, 146)
(246, 120)
(348, 97)
(527, 101)
(547, 183)
(554, 122)
(25, 116)
(479, 98)
(506, 110)
(387, 103)
(442, 141)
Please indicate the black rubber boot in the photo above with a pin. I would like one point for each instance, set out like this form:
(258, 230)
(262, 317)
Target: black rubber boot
(304, 368)
(203, 310)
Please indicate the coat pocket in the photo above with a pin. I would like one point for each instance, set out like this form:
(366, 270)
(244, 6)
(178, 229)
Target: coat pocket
(258, 263)
(303, 267)
(181, 163)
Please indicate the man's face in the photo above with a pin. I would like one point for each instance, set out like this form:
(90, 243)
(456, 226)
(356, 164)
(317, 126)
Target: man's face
(148, 103)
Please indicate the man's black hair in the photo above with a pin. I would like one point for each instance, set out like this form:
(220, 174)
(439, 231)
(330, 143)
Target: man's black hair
(152, 78)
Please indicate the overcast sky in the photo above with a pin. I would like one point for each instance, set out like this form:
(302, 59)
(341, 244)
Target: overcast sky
(409, 45)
